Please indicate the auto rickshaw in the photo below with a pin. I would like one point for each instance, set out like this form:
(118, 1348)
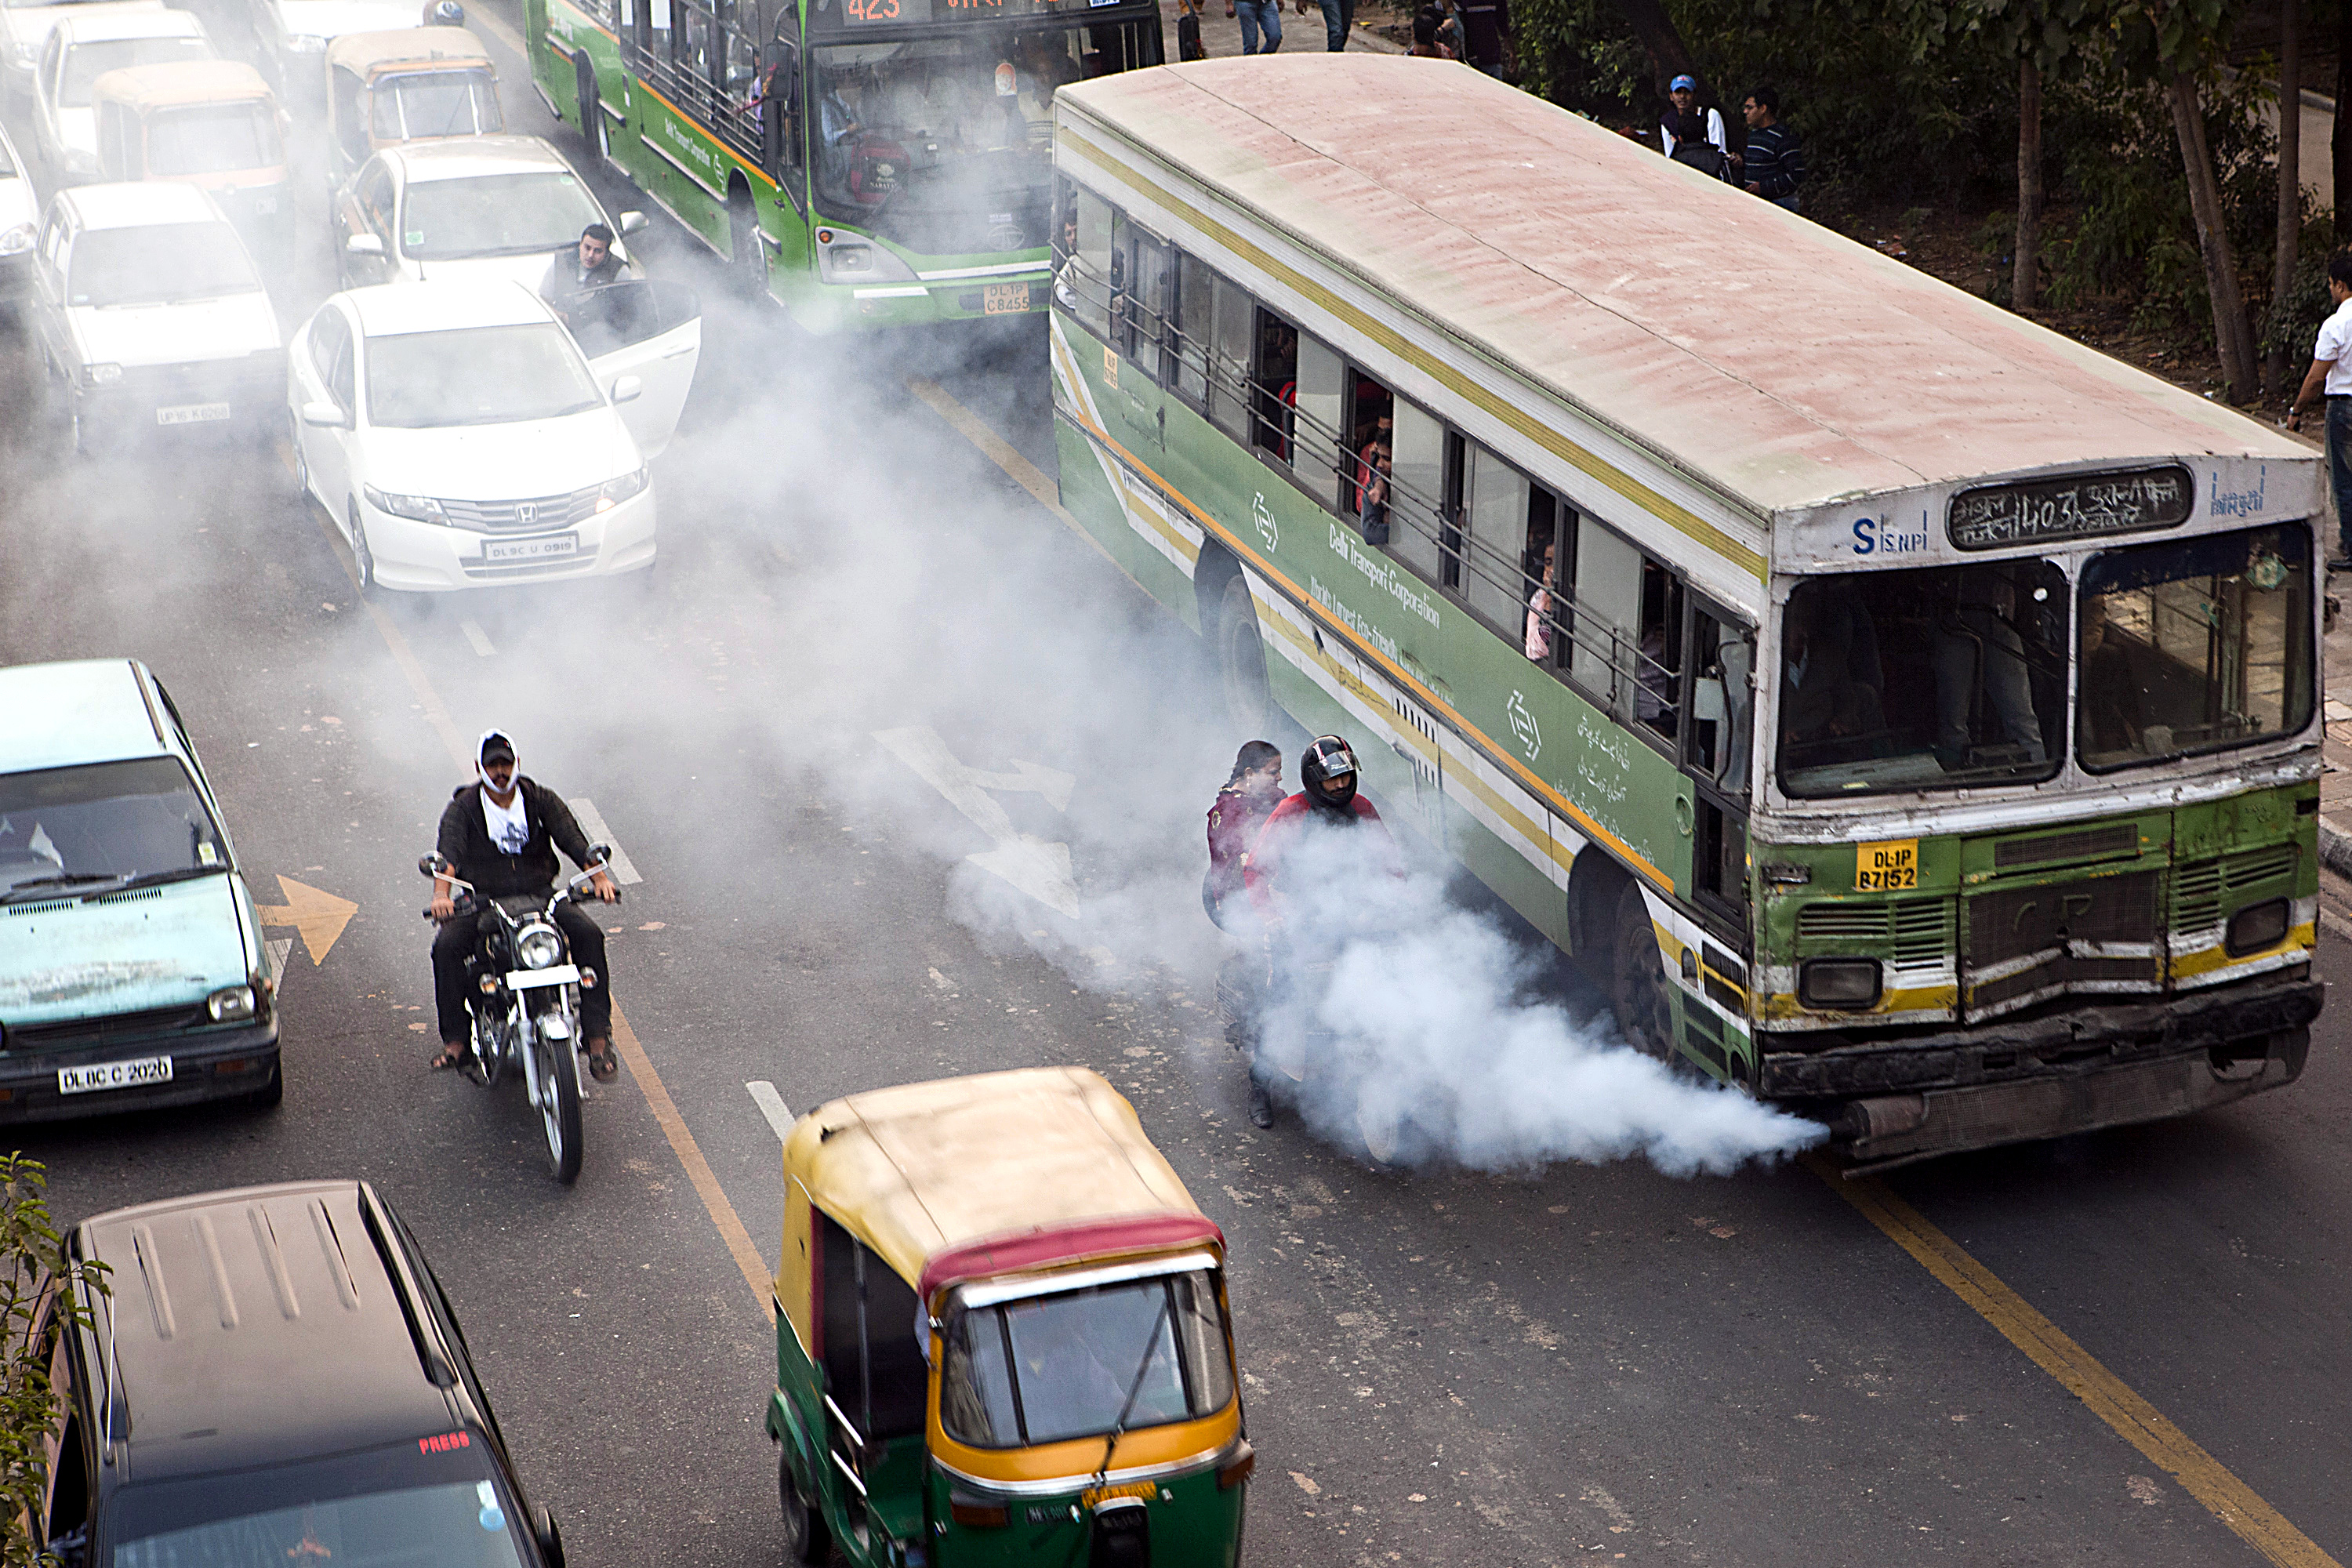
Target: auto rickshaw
(415, 84)
(213, 123)
(1001, 1336)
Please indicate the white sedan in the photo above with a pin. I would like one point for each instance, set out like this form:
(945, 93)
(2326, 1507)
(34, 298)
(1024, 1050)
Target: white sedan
(478, 207)
(460, 436)
(87, 42)
(25, 27)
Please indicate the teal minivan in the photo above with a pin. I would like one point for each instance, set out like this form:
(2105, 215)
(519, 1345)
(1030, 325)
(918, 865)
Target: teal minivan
(133, 972)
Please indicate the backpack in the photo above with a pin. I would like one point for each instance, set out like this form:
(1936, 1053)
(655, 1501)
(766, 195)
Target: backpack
(1704, 156)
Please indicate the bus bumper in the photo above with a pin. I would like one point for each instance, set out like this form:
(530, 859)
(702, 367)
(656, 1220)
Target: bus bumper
(2071, 1072)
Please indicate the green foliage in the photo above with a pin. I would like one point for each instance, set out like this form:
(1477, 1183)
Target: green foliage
(2293, 323)
(33, 1260)
(1581, 55)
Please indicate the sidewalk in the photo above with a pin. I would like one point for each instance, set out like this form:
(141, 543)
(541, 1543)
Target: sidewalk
(2335, 752)
(1222, 34)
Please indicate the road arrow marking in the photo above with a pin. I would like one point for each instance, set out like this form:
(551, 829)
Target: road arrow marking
(319, 917)
(771, 1106)
(1034, 865)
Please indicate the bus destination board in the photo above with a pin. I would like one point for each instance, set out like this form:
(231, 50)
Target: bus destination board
(2083, 506)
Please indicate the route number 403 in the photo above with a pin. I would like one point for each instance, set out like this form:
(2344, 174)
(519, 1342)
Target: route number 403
(1891, 866)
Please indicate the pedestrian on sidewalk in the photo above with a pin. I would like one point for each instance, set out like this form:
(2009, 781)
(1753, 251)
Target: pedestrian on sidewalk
(1692, 147)
(2331, 372)
(1682, 98)
(1775, 165)
(1339, 16)
(1261, 25)
(1188, 31)
(1485, 30)
(1425, 23)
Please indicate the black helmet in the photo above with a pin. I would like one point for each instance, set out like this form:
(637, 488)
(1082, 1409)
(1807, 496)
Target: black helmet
(1327, 772)
(445, 13)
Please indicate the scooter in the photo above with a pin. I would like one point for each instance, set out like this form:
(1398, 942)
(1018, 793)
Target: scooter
(522, 993)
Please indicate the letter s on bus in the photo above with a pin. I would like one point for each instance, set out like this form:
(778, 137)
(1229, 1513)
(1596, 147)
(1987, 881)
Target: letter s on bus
(1864, 541)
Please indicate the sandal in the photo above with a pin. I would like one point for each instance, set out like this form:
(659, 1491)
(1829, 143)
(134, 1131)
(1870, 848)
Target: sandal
(603, 1065)
(449, 1057)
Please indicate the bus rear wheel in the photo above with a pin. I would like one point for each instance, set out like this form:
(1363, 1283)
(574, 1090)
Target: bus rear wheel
(1637, 981)
(591, 112)
(747, 258)
(1240, 657)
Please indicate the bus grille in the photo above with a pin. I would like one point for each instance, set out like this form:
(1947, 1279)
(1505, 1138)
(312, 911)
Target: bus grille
(2095, 935)
(2199, 890)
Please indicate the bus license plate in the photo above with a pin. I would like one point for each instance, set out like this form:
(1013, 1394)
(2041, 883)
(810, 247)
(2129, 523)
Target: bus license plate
(1005, 300)
(1891, 866)
(191, 412)
(531, 549)
(114, 1075)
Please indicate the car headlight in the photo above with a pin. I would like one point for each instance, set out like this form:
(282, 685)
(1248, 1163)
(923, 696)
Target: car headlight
(2257, 927)
(306, 44)
(1842, 983)
(17, 240)
(230, 1003)
(539, 947)
(616, 492)
(101, 375)
(424, 509)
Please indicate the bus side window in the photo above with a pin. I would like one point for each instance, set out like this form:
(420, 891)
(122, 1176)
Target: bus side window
(1370, 426)
(1450, 510)
(1549, 568)
(1319, 442)
(1497, 521)
(1608, 581)
(1229, 360)
(1274, 384)
(1658, 654)
(1090, 281)
(1716, 748)
(658, 33)
(1191, 316)
(1416, 489)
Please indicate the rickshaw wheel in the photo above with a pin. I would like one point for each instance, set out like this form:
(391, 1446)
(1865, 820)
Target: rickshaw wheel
(805, 1537)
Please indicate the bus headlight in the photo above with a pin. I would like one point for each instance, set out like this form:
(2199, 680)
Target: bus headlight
(1840, 982)
(230, 1003)
(2256, 927)
(538, 948)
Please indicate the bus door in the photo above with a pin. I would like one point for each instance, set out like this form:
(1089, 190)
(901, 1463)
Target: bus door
(783, 141)
(1718, 702)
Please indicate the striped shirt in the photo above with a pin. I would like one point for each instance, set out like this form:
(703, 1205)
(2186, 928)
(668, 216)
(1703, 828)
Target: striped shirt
(1776, 160)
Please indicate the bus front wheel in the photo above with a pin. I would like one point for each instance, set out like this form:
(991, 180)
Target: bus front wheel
(747, 258)
(591, 110)
(1240, 657)
(1637, 984)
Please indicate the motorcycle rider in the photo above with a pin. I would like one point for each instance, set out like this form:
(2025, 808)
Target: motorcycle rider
(1326, 801)
(501, 833)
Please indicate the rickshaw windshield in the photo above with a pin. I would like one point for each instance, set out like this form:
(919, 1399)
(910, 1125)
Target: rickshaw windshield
(1050, 1368)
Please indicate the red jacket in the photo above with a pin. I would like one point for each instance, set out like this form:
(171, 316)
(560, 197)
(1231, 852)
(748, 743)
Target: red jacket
(1234, 823)
(1263, 862)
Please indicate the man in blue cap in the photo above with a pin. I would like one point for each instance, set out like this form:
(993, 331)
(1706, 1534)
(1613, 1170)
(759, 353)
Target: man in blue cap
(1682, 98)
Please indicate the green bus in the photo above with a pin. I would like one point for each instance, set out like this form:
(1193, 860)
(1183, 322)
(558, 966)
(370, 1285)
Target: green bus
(1901, 711)
(863, 163)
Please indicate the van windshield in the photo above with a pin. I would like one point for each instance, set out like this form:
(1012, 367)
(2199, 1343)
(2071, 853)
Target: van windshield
(435, 1500)
(158, 264)
(214, 139)
(107, 822)
(1051, 1368)
(85, 63)
(435, 103)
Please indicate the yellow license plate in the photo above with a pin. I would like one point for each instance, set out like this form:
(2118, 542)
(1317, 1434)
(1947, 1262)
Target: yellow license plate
(1888, 867)
(1005, 300)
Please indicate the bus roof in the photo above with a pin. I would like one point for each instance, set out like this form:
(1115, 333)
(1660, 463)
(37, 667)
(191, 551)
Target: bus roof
(1781, 364)
(1046, 1165)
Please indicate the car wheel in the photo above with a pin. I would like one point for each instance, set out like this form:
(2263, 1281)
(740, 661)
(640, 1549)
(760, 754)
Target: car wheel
(363, 559)
(302, 474)
(806, 1540)
(1637, 981)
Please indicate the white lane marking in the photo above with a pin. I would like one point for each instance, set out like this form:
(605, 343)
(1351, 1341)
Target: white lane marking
(771, 1106)
(280, 949)
(479, 639)
(2336, 922)
(592, 823)
(1034, 865)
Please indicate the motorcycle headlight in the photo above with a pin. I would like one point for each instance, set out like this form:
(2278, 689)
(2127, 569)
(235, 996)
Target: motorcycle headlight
(618, 490)
(424, 509)
(17, 240)
(101, 375)
(538, 948)
(230, 1003)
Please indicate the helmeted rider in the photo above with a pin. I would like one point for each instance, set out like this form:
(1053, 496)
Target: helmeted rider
(1326, 800)
(501, 833)
(442, 13)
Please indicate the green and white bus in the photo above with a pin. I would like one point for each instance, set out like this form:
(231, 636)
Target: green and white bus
(1905, 712)
(866, 163)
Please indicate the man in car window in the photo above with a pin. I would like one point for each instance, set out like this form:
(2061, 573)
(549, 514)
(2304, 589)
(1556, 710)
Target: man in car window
(500, 834)
(574, 272)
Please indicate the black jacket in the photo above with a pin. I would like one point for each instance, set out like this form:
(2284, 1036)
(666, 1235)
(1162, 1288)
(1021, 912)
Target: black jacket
(466, 842)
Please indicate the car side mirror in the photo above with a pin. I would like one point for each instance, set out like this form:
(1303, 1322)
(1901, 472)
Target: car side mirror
(628, 389)
(631, 222)
(431, 865)
(323, 417)
(363, 244)
(549, 1539)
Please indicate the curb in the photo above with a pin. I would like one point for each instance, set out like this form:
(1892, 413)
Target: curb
(2334, 849)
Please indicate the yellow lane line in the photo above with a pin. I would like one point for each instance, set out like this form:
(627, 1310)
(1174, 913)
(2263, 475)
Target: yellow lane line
(2140, 1424)
(723, 1217)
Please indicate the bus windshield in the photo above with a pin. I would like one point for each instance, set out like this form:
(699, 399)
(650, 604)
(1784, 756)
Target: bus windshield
(214, 139)
(943, 145)
(2194, 647)
(1862, 713)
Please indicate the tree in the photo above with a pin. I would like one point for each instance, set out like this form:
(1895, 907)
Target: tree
(2290, 179)
(32, 1261)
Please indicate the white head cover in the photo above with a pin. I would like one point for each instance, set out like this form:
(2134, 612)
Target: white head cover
(504, 740)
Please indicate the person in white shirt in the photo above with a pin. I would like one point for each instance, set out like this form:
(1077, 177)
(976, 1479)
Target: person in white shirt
(2331, 372)
(1682, 98)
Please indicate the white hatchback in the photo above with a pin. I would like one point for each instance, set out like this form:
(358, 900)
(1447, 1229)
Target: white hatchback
(25, 27)
(460, 436)
(87, 42)
(479, 206)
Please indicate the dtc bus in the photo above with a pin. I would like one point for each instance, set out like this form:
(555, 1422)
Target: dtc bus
(1902, 711)
(864, 163)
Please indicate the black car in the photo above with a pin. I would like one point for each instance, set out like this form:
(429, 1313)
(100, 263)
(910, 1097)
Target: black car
(276, 1376)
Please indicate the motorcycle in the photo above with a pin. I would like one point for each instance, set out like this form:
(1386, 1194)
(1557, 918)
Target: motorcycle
(522, 994)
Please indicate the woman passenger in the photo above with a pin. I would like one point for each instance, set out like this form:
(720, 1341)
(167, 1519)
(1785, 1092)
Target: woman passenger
(1240, 809)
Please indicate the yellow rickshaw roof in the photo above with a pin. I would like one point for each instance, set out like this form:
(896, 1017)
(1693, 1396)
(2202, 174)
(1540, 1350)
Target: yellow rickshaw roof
(364, 54)
(923, 1169)
(180, 82)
